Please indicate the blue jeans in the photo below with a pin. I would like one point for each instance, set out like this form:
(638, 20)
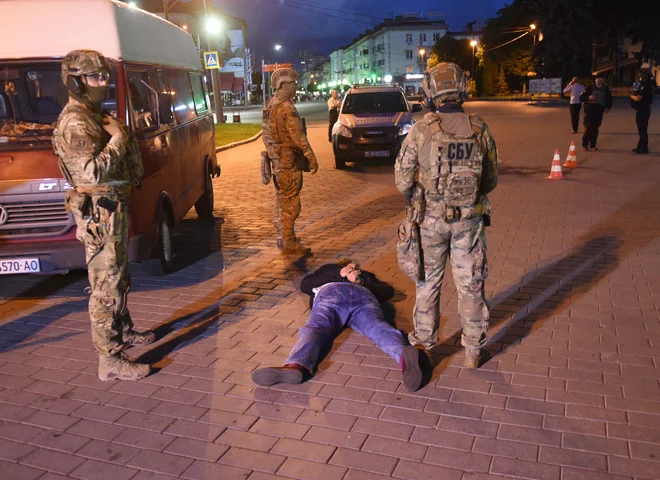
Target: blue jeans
(336, 306)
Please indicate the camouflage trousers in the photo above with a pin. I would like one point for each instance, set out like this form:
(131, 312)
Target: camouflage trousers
(288, 183)
(464, 242)
(105, 236)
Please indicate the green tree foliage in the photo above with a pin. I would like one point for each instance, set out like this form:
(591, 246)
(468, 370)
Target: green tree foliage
(449, 49)
(501, 85)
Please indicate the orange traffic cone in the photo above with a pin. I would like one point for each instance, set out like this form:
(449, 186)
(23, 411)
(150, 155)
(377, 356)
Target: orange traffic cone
(571, 158)
(555, 171)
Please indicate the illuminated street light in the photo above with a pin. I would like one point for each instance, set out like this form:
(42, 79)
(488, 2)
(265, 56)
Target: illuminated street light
(533, 26)
(387, 78)
(422, 52)
(278, 47)
(213, 25)
(473, 44)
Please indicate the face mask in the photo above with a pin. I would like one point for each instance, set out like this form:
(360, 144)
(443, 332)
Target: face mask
(97, 94)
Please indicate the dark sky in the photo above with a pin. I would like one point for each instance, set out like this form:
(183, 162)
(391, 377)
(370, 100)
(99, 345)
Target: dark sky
(330, 24)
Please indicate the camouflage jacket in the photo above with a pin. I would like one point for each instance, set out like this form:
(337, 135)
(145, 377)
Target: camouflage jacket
(89, 156)
(415, 160)
(282, 128)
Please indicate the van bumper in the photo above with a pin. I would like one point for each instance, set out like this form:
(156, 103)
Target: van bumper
(62, 256)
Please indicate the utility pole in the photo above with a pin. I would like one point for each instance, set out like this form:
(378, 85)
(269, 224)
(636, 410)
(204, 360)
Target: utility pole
(215, 77)
(263, 82)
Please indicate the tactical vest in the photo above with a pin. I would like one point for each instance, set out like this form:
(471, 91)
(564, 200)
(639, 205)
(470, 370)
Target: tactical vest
(271, 135)
(451, 166)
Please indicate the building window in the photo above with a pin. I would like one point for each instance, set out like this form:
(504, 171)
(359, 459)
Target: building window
(422, 38)
(381, 62)
(437, 36)
(409, 69)
(409, 54)
(408, 37)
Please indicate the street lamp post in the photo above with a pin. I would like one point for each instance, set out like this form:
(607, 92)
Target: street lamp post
(473, 44)
(213, 25)
(422, 52)
(532, 28)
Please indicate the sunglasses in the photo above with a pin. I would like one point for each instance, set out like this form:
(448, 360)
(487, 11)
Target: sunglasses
(99, 77)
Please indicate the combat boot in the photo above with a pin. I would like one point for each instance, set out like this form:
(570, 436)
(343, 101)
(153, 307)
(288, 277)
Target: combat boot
(117, 367)
(475, 357)
(131, 337)
(293, 247)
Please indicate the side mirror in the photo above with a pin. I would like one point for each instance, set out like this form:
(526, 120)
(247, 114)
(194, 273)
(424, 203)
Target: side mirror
(417, 107)
(165, 116)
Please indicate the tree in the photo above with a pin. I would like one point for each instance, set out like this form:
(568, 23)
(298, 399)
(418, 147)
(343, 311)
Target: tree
(501, 86)
(450, 49)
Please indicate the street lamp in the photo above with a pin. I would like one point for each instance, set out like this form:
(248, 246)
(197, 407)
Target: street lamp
(278, 47)
(422, 52)
(532, 27)
(473, 44)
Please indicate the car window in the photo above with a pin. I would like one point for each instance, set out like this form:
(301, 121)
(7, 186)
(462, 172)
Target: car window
(182, 99)
(141, 100)
(198, 93)
(376, 102)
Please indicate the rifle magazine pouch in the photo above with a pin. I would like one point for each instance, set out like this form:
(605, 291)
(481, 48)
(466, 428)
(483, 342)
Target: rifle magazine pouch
(266, 169)
(409, 251)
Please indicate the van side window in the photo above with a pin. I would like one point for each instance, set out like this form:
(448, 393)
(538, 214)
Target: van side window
(198, 93)
(140, 97)
(182, 99)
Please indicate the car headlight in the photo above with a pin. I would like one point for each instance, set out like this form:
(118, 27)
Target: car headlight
(405, 129)
(339, 129)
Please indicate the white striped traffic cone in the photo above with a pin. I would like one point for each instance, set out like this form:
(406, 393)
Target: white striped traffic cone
(555, 171)
(571, 158)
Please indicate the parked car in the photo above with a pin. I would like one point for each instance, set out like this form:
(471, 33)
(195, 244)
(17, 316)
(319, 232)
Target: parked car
(373, 122)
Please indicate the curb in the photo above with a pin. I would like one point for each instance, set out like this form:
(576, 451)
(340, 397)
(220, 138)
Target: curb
(238, 144)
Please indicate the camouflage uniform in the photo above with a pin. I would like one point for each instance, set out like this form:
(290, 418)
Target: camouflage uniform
(442, 155)
(102, 169)
(286, 144)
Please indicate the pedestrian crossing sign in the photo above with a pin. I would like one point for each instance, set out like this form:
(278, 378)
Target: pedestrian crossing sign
(211, 60)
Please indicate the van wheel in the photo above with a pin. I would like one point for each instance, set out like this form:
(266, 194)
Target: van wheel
(340, 162)
(204, 206)
(163, 263)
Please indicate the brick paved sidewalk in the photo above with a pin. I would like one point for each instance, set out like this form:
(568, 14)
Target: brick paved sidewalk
(573, 390)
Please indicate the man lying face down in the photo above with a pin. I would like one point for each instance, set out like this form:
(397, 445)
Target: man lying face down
(342, 295)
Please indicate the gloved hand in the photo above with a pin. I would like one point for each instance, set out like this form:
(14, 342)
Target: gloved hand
(313, 164)
(114, 128)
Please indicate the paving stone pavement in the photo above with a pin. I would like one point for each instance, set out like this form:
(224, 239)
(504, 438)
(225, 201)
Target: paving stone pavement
(572, 392)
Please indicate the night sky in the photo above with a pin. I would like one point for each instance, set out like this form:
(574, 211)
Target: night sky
(328, 25)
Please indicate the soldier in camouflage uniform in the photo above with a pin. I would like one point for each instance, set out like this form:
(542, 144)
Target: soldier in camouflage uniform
(450, 159)
(102, 165)
(288, 149)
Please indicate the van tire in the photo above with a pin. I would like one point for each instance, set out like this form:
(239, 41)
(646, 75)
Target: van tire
(204, 206)
(340, 162)
(163, 263)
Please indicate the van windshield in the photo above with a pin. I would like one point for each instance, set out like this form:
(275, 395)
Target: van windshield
(32, 96)
(377, 102)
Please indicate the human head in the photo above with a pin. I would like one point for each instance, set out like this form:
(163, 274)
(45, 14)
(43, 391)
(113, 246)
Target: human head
(575, 80)
(445, 83)
(86, 74)
(284, 79)
(600, 81)
(334, 93)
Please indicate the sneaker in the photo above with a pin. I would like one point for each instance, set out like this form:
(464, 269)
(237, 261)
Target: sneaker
(118, 367)
(640, 151)
(573, 131)
(594, 149)
(131, 337)
(410, 369)
(293, 374)
(476, 357)
(585, 148)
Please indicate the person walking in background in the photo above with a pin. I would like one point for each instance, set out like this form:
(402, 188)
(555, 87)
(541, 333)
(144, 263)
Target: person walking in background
(334, 104)
(641, 101)
(574, 88)
(597, 100)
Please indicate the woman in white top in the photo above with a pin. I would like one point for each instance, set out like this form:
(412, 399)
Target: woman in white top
(575, 89)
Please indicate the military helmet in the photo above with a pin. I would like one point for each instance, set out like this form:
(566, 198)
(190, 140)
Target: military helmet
(445, 82)
(83, 62)
(283, 75)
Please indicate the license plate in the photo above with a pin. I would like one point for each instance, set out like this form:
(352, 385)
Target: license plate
(19, 265)
(378, 153)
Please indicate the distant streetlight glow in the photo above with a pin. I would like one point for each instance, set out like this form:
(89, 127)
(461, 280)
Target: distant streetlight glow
(473, 43)
(533, 26)
(422, 52)
(278, 47)
(387, 78)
